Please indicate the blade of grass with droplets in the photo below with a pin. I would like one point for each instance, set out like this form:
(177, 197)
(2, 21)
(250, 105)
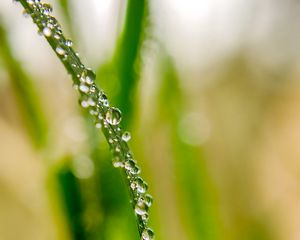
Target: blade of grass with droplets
(123, 71)
(27, 96)
(92, 98)
(195, 186)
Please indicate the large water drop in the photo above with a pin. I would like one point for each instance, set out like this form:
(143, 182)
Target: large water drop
(126, 136)
(147, 234)
(113, 116)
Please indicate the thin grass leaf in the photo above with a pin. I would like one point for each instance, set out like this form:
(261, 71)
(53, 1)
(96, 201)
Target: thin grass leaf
(196, 188)
(92, 98)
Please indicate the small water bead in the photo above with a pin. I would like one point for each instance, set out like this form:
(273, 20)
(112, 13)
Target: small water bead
(90, 76)
(68, 43)
(148, 200)
(84, 104)
(129, 164)
(93, 112)
(141, 207)
(98, 125)
(84, 88)
(56, 36)
(126, 136)
(141, 185)
(47, 8)
(145, 217)
(47, 31)
(91, 102)
(60, 50)
(113, 116)
(117, 162)
(147, 234)
(30, 2)
(136, 170)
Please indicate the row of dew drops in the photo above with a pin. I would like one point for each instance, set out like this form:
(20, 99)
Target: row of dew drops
(91, 98)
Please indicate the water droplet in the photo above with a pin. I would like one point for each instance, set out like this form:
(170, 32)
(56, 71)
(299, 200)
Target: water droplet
(90, 76)
(91, 102)
(148, 200)
(126, 136)
(47, 31)
(129, 164)
(84, 104)
(98, 125)
(30, 2)
(84, 88)
(117, 162)
(68, 43)
(145, 217)
(141, 185)
(47, 8)
(60, 50)
(113, 116)
(141, 207)
(147, 234)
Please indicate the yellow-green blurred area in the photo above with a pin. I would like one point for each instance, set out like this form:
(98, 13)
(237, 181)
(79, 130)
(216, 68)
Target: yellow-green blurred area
(210, 91)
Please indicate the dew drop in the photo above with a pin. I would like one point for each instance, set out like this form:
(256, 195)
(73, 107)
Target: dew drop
(147, 234)
(126, 136)
(47, 31)
(145, 217)
(141, 207)
(98, 125)
(84, 104)
(83, 88)
(141, 185)
(68, 43)
(129, 164)
(91, 102)
(113, 116)
(148, 200)
(47, 8)
(117, 163)
(90, 76)
(60, 50)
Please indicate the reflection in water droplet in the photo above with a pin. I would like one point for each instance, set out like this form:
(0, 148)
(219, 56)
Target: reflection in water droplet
(117, 162)
(60, 50)
(113, 116)
(47, 8)
(47, 32)
(126, 136)
(147, 234)
(68, 43)
(140, 208)
(83, 88)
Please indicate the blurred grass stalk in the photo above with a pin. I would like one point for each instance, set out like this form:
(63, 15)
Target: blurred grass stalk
(29, 102)
(197, 194)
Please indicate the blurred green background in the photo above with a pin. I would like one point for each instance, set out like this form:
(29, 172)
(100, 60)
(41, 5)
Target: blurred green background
(210, 93)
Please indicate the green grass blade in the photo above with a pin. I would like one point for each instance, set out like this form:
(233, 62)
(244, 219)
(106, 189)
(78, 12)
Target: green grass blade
(94, 99)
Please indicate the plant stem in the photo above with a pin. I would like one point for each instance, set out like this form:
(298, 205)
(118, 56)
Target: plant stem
(94, 99)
